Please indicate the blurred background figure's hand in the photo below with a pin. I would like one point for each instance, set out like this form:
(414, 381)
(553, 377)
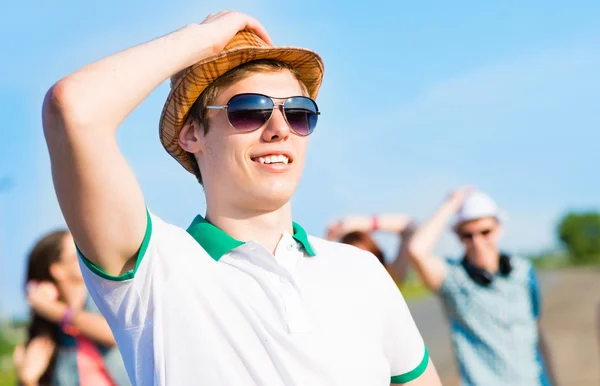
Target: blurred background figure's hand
(40, 293)
(457, 197)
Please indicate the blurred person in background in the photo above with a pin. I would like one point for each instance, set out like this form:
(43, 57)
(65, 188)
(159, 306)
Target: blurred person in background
(68, 340)
(358, 230)
(492, 299)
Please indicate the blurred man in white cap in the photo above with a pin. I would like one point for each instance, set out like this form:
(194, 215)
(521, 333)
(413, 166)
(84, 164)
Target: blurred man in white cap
(491, 299)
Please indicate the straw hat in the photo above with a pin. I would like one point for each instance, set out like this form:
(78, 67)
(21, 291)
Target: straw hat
(188, 84)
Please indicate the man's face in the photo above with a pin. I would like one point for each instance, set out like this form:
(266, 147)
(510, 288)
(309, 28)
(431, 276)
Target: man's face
(480, 240)
(230, 161)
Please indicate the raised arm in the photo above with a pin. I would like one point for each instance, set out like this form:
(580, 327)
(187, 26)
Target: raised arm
(98, 193)
(91, 325)
(400, 224)
(420, 247)
(399, 266)
(392, 223)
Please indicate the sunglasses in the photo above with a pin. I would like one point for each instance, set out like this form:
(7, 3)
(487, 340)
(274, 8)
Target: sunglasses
(470, 235)
(249, 112)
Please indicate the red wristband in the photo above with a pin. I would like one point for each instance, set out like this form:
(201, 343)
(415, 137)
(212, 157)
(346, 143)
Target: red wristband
(374, 223)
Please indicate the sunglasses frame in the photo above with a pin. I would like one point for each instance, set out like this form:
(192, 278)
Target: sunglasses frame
(470, 235)
(279, 105)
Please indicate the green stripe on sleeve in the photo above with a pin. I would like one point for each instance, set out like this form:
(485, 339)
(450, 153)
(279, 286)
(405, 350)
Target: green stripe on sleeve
(140, 255)
(414, 374)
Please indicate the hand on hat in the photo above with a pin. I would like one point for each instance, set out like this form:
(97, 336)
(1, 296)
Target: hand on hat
(223, 26)
(458, 196)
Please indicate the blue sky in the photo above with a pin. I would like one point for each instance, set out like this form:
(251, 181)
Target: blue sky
(418, 98)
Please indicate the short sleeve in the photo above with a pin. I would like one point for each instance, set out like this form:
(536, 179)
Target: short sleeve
(126, 300)
(403, 344)
(535, 293)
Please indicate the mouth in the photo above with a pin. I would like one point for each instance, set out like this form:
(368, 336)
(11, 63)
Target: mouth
(273, 159)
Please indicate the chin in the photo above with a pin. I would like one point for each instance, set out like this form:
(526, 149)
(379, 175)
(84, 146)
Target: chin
(486, 260)
(273, 197)
(274, 200)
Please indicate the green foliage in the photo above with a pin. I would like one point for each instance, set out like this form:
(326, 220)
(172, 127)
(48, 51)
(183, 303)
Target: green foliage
(8, 378)
(7, 374)
(550, 261)
(413, 289)
(6, 346)
(580, 232)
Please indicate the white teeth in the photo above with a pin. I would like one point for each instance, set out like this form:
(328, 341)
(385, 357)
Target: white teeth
(272, 159)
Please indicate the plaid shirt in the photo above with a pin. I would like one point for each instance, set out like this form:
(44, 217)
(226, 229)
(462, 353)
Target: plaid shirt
(494, 329)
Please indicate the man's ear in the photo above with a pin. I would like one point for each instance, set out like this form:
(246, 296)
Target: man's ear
(191, 138)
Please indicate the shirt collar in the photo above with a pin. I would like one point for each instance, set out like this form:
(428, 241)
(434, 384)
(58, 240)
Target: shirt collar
(217, 243)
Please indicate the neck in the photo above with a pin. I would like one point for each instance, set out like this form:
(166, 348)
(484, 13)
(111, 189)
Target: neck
(264, 227)
(73, 294)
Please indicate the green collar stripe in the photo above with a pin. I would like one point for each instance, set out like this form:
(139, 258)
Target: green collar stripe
(217, 243)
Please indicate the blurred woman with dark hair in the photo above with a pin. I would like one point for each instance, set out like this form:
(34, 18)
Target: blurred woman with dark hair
(357, 231)
(68, 341)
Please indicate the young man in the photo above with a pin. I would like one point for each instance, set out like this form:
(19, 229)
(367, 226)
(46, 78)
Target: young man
(244, 296)
(492, 300)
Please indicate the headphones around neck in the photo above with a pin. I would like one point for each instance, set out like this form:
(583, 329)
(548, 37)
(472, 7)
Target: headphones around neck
(482, 276)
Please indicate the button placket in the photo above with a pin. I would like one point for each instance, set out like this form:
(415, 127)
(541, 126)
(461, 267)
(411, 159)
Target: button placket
(279, 270)
(289, 256)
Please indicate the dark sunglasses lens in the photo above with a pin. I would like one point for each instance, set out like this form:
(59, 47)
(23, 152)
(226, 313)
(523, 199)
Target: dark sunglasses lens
(248, 112)
(301, 114)
(466, 236)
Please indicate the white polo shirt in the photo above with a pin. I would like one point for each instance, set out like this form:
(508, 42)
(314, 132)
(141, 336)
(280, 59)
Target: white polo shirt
(203, 308)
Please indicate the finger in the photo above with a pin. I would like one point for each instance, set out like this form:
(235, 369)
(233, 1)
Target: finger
(208, 18)
(30, 286)
(244, 22)
(213, 16)
(468, 190)
(255, 26)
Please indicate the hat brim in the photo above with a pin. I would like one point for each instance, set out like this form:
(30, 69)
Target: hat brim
(193, 80)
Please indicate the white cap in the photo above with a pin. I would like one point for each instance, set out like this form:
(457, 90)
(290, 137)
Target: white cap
(477, 205)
